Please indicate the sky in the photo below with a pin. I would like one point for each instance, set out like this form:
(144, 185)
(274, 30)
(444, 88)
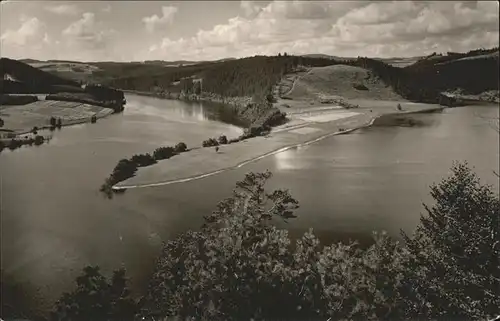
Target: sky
(210, 30)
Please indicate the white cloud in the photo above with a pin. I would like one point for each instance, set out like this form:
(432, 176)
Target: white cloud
(249, 7)
(30, 30)
(106, 9)
(46, 39)
(341, 28)
(31, 39)
(351, 28)
(87, 33)
(64, 9)
(152, 22)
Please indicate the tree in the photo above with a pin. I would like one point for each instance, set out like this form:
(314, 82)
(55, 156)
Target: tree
(39, 140)
(453, 269)
(270, 98)
(197, 87)
(222, 140)
(163, 153)
(210, 142)
(143, 160)
(52, 121)
(180, 147)
(240, 266)
(96, 298)
(232, 268)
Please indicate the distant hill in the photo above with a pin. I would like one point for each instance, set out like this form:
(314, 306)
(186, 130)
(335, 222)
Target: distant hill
(17, 76)
(414, 78)
(473, 73)
(29, 61)
(436, 59)
(394, 61)
(21, 78)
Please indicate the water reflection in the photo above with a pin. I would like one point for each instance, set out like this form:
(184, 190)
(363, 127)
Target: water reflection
(283, 160)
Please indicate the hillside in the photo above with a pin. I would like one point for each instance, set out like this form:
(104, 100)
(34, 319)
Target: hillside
(21, 78)
(349, 82)
(32, 78)
(395, 61)
(427, 78)
(418, 79)
(253, 76)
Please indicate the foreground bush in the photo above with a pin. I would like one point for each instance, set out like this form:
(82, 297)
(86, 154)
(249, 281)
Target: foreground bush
(453, 265)
(239, 266)
(96, 298)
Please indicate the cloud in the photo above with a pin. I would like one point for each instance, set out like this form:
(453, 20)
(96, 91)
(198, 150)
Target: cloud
(87, 33)
(350, 28)
(249, 7)
(152, 22)
(106, 9)
(64, 9)
(31, 30)
(31, 38)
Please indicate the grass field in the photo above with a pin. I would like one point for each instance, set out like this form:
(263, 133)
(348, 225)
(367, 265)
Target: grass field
(21, 119)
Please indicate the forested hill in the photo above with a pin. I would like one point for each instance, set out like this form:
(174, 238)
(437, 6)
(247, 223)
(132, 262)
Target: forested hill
(22, 72)
(473, 73)
(242, 77)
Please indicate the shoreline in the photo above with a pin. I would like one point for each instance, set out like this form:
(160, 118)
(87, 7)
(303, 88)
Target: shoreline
(193, 178)
(356, 118)
(103, 113)
(243, 108)
(231, 101)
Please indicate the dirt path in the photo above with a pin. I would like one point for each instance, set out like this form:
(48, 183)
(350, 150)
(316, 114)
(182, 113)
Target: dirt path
(294, 83)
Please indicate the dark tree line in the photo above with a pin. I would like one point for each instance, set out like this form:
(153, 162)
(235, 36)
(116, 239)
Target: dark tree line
(127, 168)
(240, 266)
(16, 143)
(253, 76)
(256, 76)
(423, 82)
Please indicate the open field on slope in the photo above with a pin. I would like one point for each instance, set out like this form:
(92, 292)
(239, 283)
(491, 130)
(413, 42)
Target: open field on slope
(70, 70)
(338, 81)
(400, 62)
(21, 119)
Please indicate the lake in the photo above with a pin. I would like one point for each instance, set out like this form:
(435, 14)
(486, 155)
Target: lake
(54, 220)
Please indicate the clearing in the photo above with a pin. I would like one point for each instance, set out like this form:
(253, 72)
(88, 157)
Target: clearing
(338, 81)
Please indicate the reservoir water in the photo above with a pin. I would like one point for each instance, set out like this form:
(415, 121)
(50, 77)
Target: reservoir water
(54, 221)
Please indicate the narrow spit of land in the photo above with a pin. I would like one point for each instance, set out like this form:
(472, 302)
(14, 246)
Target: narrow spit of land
(305, 126)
